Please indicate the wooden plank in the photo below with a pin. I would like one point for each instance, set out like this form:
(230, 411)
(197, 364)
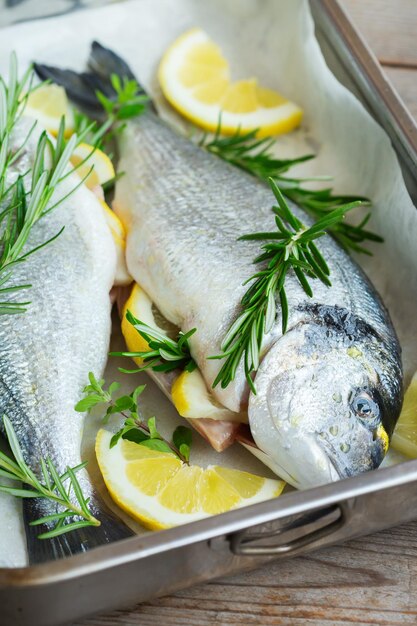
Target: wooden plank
(405, 82)
(389, 26)
(372, 580)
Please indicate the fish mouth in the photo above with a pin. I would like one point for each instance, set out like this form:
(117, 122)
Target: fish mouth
(333, 459)
(359, 464)
(323, 467)
(317, 468)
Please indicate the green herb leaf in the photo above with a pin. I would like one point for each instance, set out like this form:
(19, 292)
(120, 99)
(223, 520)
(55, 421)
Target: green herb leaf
(124, 403)
(152, 429)
(156, 444)
(182, 435)
(115, 439)
(134, 428)
(87, 403)
(135, 435)
(185, 451)
(137, 392)
(113, 388)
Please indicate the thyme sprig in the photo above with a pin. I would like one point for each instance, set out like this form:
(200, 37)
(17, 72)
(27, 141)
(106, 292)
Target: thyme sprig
(134, 428)
(164, 354)
(64, 490)
(128, 101)
(290, 248)
(246, 151)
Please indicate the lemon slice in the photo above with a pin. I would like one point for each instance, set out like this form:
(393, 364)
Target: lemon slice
(142, 307)
(47, 104)
(195, 79)
(88, 158)
(118, 232)
(404, 438)
(160, 491)
(192, 399)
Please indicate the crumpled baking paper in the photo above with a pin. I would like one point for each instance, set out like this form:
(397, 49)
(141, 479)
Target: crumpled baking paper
(273, 40)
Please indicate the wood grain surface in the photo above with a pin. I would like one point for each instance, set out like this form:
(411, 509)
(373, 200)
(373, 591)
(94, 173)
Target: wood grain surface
(372, 580)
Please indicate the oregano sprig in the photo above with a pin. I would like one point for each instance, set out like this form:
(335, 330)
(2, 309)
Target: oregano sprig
(127, 101)
(135, 428)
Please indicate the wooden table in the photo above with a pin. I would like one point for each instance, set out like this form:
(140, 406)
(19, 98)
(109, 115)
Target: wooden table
(372, 580)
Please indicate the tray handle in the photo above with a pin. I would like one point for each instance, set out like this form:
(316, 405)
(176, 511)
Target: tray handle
(293, 536)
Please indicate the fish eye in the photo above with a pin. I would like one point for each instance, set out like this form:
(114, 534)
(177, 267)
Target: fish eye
(364, 406)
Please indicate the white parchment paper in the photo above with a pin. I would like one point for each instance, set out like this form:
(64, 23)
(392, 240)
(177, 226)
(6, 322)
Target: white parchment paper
(274, 41)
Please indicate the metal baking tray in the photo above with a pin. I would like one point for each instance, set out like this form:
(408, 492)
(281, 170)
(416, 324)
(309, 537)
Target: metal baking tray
(143, 567)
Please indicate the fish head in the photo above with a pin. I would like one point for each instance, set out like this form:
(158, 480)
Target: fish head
(324, 409)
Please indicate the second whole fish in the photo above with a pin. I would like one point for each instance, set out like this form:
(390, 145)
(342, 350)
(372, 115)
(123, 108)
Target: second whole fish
(329, 390)
(47, 352)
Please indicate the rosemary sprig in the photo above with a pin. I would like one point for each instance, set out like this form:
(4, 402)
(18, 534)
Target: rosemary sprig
(164, 354)
(64, 490)
(246, 151)
(13, 98)
(134, 427)
(291, 248)
(30, 199)
(31, 195)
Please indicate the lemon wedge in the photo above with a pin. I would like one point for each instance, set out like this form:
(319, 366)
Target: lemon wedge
(189, 393)
(195, 79)
(404, 438)
(142, 307)
(118, 232)
(47, 104)
(86, 158)
(115, 224)
(192, 399)
(160, 491)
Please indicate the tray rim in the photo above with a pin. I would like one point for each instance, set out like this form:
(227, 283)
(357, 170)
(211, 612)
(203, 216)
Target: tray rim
(402, 126)
(142, 546)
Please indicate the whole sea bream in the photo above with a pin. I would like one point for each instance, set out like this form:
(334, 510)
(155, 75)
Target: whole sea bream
(47, 352)
(329, 391)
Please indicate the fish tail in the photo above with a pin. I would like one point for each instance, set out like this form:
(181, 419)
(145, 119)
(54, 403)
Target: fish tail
(82, 87)
(43, 550)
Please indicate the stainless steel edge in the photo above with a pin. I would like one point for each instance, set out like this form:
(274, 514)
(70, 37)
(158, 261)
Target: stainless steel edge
(143, 546)
(137, 569)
